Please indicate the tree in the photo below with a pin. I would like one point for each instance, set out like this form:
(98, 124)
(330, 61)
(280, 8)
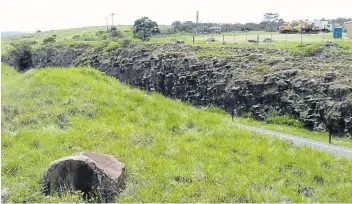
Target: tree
(271, 20)
(144, 28)
(177, 26)
(21, 56)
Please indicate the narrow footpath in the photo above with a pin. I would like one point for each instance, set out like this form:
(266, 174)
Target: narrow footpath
(338, 151)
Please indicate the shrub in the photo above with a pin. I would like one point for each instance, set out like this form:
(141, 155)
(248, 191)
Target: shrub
(283, 120)
(104, 37)
(307, 50)
(99, 33)
(112, 46)
(125, 42)
(21, 56)
(49, 40)
(116, 34)
(76, 37)
(89, 38)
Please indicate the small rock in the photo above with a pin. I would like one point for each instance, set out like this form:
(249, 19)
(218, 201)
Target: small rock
(210, 40)
(4, 195)
(267, 40)
(180, 42)
(94, 174)
(329, 77)
(305, 191)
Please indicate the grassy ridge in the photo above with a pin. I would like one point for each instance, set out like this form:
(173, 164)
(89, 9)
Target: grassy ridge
(311, 42)
(172, 152)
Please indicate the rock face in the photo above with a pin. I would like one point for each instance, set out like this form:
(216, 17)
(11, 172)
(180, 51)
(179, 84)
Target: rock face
(174, 71)
(94, 174)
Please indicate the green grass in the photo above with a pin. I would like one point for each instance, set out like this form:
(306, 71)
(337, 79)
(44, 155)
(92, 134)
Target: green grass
(309, 45)
(172, 152)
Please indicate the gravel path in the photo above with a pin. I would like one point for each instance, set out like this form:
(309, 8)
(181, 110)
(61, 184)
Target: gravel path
(338, 151)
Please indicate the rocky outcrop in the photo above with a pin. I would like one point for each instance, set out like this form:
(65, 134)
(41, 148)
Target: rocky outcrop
(174, 71)
(96, 175)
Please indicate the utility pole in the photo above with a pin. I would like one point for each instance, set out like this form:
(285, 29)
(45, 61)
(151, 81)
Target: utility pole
(112, 19)
(107, 24)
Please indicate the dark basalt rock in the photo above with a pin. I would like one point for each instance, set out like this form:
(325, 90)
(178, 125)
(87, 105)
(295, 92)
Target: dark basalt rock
(173, 70)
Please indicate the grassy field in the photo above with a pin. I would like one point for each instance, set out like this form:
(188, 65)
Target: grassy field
(172, 152)
(89, 37)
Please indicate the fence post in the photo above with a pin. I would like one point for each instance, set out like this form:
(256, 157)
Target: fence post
(301, 38)
(246, 39)
(286, 41)
(258, 40)
(223, 38)
(193, 39)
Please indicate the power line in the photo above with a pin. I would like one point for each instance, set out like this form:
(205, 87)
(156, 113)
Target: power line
(107, 24)
(112, 19)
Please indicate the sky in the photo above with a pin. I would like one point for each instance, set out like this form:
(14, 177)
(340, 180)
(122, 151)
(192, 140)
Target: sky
(31, 15)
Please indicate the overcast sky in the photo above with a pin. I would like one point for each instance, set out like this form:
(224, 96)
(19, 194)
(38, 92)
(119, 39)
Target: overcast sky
(30, 15)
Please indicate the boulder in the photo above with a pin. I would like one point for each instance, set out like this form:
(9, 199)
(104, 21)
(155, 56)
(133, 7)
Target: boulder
(96, 175)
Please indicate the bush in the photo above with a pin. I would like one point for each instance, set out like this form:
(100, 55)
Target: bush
(104, 37)
(99, 33)
(89, 38)
(116, 34)
(31, 42)
(283, 120)
(49, 40)
(76, 37)
(125, 42)
(21, 56)
(112, 46)
(307, 50)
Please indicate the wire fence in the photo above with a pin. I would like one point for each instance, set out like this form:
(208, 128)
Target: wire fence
(264, 38)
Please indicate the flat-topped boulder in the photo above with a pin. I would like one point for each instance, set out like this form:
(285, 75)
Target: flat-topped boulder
(96, 175)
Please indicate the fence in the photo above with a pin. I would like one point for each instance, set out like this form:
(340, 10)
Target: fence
(263, 38)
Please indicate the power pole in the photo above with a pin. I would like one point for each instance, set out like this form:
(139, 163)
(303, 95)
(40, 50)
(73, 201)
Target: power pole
(112, 19)
(107, 24)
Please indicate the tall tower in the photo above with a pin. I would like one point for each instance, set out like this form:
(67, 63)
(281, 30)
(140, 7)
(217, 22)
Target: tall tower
(197, 17)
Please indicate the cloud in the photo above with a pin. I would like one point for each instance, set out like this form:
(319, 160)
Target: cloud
(25, 15)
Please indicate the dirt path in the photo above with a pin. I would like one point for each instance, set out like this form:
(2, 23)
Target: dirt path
(338, 151)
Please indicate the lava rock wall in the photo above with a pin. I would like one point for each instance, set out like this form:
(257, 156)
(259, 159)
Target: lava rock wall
(318, 104)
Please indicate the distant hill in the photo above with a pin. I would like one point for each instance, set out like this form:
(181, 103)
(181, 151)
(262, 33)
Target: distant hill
(11, 33)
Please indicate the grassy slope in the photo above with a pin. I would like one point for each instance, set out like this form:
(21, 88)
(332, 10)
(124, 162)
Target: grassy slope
(172, 152)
